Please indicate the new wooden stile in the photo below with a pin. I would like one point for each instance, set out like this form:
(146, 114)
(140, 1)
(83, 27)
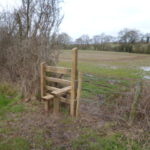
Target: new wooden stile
(56, 94)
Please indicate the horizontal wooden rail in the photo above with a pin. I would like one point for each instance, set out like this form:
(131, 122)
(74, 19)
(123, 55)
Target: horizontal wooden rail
(57, 80)
(50, 88)
(61, 91)
(60, 70)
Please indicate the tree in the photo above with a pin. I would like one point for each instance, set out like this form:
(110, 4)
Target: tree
(147, 37)
(63, 40)
(83, 41)
(129, 36)
(101, 41)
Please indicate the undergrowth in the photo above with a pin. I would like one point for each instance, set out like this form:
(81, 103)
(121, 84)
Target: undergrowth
(92, 140)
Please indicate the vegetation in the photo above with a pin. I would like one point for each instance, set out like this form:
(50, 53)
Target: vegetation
(114, 106)
(128, 40)
(28, 38)
(93, 141)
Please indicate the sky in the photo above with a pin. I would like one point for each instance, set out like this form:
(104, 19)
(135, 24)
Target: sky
(94, 17)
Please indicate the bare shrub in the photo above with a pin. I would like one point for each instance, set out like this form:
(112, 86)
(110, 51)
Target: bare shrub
(27, 37)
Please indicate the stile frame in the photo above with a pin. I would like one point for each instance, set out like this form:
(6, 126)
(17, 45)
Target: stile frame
(73, 86)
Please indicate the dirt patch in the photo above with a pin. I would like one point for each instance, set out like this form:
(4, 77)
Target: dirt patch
(61, 129)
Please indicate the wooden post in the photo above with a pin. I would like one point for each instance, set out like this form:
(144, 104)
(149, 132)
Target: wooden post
(43, 83)
(79, 93)
(56, 105)
(47, 106)
(74, 77)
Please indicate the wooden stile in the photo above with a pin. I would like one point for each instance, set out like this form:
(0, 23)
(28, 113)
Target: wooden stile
(69, 94)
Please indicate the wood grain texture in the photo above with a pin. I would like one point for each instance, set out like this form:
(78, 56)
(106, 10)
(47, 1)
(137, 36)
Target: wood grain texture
(74, 77)
(42, 75)
(57, 80)
(79, 94)
(60, 70)
(61, 91)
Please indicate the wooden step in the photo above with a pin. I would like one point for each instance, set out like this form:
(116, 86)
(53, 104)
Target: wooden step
(48, 97)
(61, 91)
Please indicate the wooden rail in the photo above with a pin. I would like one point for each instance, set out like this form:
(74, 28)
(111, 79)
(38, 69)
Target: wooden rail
(57, 80)
(60, 70)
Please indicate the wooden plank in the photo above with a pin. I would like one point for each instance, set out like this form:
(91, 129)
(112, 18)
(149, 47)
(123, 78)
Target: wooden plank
(42, 76)
(74, 78)
(61, 91)
(57, 80)
(60, 70)
(62, 99)
(50, 88)
(78, 94)
(48, 97)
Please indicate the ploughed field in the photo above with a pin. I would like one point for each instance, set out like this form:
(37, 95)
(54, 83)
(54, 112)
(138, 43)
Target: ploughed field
(108, 91)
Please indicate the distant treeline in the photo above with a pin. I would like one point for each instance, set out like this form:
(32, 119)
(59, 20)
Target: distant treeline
(127, 40)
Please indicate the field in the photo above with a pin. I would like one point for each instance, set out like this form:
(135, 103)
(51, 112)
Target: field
(109, 80)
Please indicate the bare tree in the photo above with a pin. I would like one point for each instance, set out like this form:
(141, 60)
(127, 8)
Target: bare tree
(63, 40)
(129, 36)
(147, 37)
(26, 40)
(83, 41)
(100, 42)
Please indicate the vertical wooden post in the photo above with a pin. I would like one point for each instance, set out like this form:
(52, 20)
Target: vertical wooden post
(74, 77)
(79, 93)
(56, 105)
(47, 106)
(43, 79)
(43, 84)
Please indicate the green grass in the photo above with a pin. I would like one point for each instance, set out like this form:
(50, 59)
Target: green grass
(91, 140)
(9, 99)
(94, 86)
(42, 143)
(98, 80)
(17, 143)
(4, 101)
(119, 73)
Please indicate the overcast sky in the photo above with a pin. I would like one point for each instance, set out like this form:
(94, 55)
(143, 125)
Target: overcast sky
(96, 16)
